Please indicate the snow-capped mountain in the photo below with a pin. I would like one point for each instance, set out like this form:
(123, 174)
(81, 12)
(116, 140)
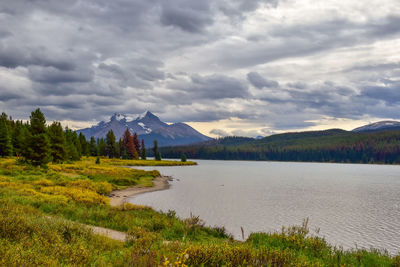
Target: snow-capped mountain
(149, 128)
(379, 126)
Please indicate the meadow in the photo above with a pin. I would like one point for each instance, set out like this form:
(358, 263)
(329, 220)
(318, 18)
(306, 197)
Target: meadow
(44, 212)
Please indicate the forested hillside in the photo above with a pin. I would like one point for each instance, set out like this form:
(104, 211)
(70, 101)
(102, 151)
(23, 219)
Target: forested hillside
(333, 145)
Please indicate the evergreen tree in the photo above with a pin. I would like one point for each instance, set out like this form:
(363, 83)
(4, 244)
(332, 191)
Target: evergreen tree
(131, 149)
(77, 143)
(92, 147)
(18, 138)
(183, 157)
(101, 147)
(136, 142)
(5, 139)
(110, 144)
(143, 152)
(38, 147)
(84, 145)
(118, 149)
(135, 154)
(157, 154)
(73, 145)
(58, 143)
(127, 145)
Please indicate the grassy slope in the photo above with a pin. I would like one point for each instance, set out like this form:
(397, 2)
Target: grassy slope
(38, 209)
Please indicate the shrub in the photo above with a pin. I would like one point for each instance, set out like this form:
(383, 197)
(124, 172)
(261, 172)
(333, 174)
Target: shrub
(76, 194)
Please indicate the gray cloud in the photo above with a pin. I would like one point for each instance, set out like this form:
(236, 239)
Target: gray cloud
(53, 75)
(260, 82)
(201, 60)
(219, 132)
(190, 16)
(218, 87)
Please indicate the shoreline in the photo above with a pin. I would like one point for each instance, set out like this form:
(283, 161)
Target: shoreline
(118, 197)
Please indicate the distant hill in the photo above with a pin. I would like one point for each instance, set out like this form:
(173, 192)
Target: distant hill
(149, 128)
(379, 126)
(333, 145)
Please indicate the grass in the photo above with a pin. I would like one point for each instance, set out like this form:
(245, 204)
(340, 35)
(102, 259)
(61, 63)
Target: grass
(148, 162)
(42, 212)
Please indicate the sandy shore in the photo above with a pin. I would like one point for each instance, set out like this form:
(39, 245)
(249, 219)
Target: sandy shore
(119, 197)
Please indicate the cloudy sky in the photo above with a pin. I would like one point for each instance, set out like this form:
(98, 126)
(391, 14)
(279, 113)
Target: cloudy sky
(224, 66)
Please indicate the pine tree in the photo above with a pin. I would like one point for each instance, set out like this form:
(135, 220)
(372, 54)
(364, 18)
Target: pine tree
(136, 142)
(143, 152)
(92, 147)
(18, 138)
(84, 145)
(38, 147)
(118, 149)
(101, 147)
(127, 145)
(58, 143)
(73, 145)
(183, 157)
(110, 144)
(157, 154)
(5, 139)
(131, 149)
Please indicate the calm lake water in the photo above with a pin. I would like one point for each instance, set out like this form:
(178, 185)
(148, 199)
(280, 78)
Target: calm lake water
(352, 205)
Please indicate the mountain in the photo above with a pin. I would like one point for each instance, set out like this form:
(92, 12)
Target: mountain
(379, 126)
(149, 128)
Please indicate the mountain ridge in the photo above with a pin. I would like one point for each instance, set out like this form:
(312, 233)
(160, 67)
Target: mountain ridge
(148, 127)
(379, 126)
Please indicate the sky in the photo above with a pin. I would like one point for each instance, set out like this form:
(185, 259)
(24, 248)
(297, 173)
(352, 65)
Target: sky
(226, 67)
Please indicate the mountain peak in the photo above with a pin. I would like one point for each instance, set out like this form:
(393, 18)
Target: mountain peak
(150, 115)
(118, 117)
(144, 115)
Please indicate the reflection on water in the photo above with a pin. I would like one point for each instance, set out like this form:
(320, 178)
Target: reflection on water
(351, 204)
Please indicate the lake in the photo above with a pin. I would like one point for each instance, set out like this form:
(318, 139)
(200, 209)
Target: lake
(351, 204)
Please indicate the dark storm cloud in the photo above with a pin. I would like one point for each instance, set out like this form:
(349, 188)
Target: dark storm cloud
(190, 16)
(12, 56)
(389, 94)
(53, 75)
(238, 8)
(217, 87)
(260, 82)
(6, 95)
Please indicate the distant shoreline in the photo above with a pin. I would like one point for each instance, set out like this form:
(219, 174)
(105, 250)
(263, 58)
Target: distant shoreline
(118, 197)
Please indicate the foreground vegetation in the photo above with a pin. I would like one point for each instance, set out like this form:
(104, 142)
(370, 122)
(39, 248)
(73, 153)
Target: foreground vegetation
(43, 213)
(317, 146)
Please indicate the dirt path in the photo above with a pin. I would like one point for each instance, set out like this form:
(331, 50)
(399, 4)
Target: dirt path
(119, 197)
(116, 235)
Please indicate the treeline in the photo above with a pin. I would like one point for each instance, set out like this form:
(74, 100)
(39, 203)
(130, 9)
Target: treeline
(317, 146)
(36, 143)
